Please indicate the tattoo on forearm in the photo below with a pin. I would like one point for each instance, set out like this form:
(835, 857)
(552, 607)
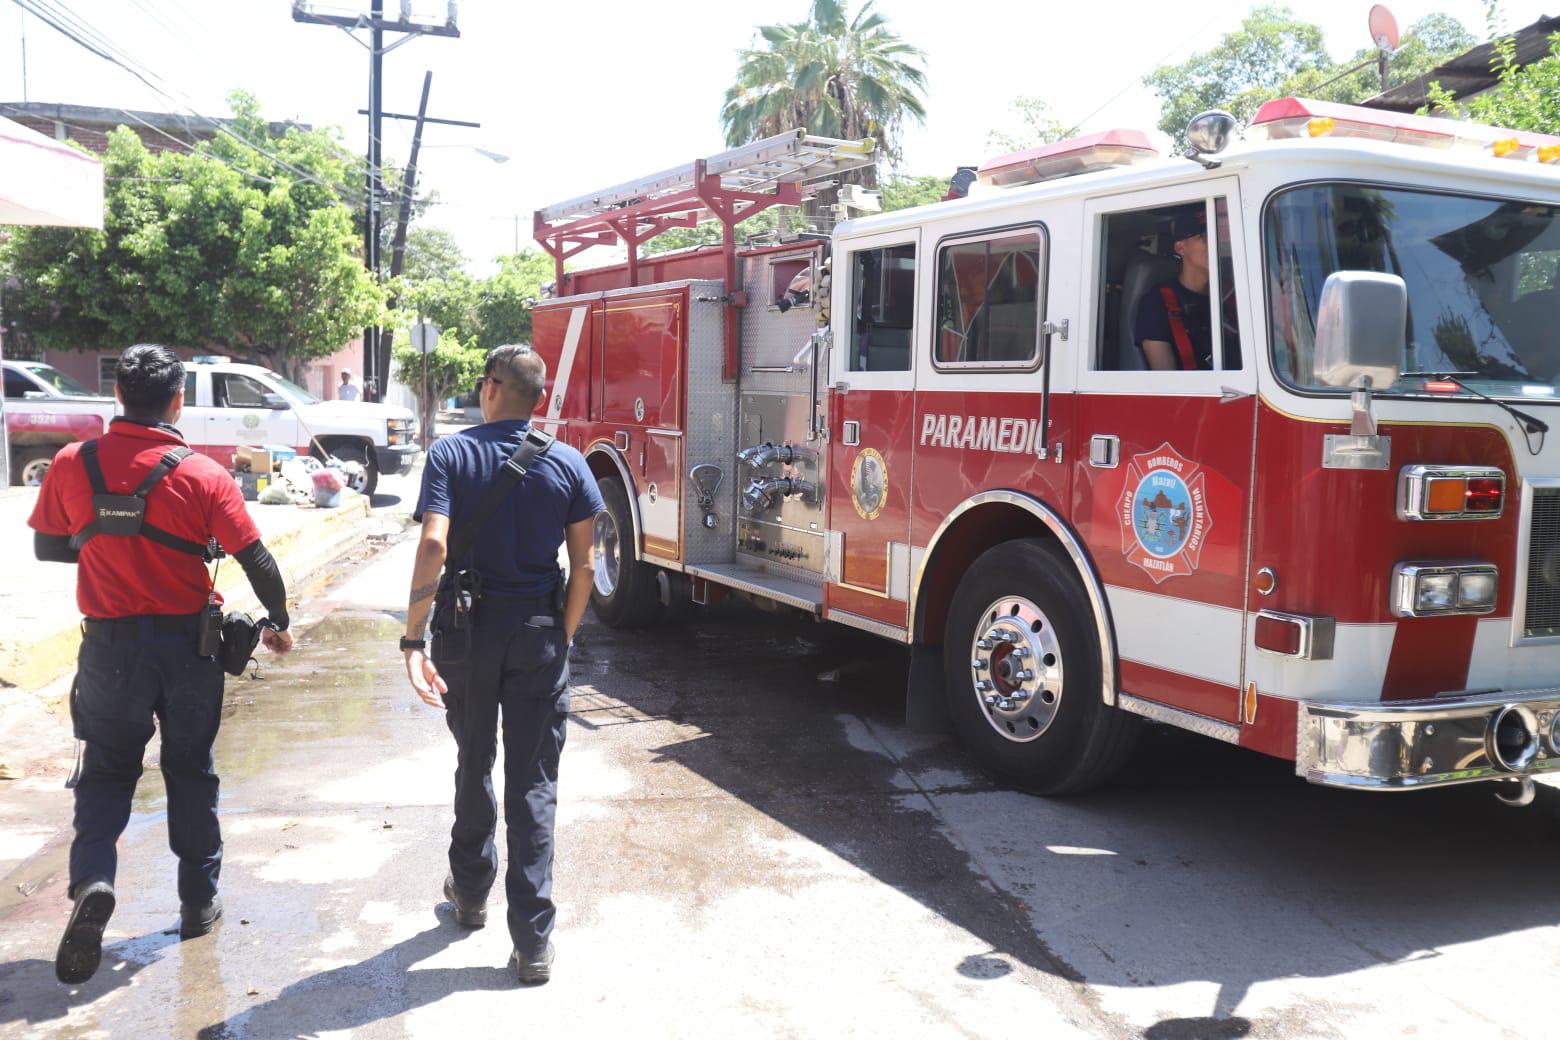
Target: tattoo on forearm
(425, 592)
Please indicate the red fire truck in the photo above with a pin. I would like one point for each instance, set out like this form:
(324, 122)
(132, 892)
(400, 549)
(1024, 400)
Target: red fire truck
(1328, 532)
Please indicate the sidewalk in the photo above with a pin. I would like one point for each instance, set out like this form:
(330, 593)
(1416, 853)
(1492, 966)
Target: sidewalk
(41, 629)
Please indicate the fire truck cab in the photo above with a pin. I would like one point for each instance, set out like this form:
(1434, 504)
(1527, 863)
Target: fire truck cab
(1250, 442)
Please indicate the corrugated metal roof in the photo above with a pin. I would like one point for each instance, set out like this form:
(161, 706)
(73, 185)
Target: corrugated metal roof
(1469, 72)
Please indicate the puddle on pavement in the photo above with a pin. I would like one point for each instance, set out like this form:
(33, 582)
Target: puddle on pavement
(325, 688)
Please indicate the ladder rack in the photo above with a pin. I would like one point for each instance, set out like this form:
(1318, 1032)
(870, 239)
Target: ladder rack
(794, 157)
(730, 187)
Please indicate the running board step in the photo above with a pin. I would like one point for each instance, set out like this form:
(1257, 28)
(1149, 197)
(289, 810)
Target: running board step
(792, 593)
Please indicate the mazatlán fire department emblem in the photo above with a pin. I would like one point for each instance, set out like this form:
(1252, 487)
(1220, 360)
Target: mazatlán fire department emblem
(1164, 513)
(869, 483)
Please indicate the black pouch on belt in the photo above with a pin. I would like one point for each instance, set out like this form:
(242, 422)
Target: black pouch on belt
(240, 636)
(454, 613)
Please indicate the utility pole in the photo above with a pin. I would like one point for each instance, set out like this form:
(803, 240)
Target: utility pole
(376, 353)
(408, 192)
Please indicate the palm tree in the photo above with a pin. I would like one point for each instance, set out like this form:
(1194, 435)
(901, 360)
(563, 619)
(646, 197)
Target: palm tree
(835, 75)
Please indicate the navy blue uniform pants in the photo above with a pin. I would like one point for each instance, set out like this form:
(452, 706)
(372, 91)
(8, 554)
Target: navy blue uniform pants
(128, 674)
(519, 671)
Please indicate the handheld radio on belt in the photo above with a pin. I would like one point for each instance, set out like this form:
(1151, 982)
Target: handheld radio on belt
(460, 587)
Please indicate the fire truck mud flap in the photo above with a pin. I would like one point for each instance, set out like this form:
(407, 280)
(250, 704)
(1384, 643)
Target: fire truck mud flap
(1399, 746)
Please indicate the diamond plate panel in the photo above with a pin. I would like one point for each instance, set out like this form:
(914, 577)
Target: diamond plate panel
(711, 434)
(771, 339)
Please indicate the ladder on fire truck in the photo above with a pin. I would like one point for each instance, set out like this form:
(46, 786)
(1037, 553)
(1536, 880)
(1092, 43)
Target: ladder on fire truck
(730, 187)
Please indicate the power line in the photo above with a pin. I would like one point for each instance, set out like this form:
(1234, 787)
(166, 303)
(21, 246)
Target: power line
(1223, 12)
(81, 33)
(184, 146)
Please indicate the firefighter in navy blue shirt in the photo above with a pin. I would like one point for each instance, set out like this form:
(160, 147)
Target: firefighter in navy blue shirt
(143, 589)
(503, 621)
(1173, 323)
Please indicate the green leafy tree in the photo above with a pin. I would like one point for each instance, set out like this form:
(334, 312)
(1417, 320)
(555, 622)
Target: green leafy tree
(1430, 41)
(709, 232)
(1036, 125)
(226, 247)
(902, 192)
(451, 368)
(504, 300)
(834, 73)
(1526, 97)
(432, 253)
(1275, 53)
(1245, 68)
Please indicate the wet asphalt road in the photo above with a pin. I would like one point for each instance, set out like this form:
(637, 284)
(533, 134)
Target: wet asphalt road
(747, 849)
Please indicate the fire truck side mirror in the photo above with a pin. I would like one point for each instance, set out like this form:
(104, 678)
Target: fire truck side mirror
(1360, 329)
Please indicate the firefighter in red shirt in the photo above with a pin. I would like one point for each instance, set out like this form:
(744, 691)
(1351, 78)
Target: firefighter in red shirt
(138, 511)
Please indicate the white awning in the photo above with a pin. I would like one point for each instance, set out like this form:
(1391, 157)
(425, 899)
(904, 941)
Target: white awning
(45, 182)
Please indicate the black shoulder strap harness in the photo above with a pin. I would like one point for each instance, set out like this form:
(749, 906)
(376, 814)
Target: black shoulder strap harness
(125, 515)
(534, 444)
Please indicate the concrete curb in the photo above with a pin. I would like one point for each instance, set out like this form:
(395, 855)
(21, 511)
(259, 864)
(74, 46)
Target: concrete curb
(304, 556)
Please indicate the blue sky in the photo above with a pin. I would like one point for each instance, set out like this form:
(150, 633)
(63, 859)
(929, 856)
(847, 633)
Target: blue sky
(586, 94)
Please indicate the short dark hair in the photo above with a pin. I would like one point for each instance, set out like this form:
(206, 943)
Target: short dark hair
(149, 377)
(521, 370)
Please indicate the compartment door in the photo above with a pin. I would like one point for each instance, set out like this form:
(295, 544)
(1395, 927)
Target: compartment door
(644, 335)
(872, 424)
(1163, 470)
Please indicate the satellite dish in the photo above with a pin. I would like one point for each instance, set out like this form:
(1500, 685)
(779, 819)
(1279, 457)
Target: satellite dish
(1383, 29)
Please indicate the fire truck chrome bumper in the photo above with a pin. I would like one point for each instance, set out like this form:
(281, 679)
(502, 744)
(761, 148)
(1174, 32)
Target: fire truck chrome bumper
(1448, 740)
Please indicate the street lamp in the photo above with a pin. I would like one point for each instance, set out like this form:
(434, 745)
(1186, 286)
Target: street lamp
(497, 157)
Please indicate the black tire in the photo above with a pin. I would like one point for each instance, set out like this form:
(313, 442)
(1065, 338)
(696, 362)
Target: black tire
(28, 465)
(353, 452)
(1050, 732)
(626, 593)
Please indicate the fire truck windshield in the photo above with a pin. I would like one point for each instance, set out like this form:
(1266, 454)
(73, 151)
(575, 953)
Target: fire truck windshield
(1483, 292)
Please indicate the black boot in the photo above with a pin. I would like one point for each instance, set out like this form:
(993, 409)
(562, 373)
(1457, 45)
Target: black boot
(195, 921)
(81, 947)
(534, 969)
(470, 912)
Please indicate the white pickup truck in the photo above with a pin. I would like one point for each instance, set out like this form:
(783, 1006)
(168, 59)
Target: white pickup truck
(226, 404)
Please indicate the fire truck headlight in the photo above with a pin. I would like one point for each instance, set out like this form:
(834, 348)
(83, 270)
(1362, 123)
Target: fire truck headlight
(1436, 593)
(1432, 589)
(1476, 591)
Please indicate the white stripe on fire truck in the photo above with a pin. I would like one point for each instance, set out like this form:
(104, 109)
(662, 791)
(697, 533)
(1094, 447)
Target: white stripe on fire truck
(1495, 665)
(1179, 635)
(1352, 675)
(571, 343)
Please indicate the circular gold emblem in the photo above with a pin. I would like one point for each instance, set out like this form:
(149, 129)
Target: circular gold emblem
(869, 483)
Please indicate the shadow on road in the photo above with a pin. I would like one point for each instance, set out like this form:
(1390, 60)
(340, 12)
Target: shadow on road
(353, 996)
(49, 1001)
(1211, 852)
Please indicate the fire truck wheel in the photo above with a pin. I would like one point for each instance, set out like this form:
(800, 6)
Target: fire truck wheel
(1022, 673)
(626, 593)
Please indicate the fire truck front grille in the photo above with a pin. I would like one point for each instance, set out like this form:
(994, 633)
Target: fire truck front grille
(1543, 580)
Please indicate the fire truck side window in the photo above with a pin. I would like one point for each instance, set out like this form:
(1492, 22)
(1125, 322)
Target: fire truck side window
(988, 302)
(882, 308)
(1156, 282)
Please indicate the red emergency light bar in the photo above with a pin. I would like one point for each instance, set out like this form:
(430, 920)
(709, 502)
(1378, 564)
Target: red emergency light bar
(1290, 118)
(1066, 158)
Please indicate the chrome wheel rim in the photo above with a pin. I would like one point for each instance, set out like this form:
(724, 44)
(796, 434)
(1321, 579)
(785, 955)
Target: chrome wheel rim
(34, 472)
(358, 480)
(608, 554)
(1016, 669)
